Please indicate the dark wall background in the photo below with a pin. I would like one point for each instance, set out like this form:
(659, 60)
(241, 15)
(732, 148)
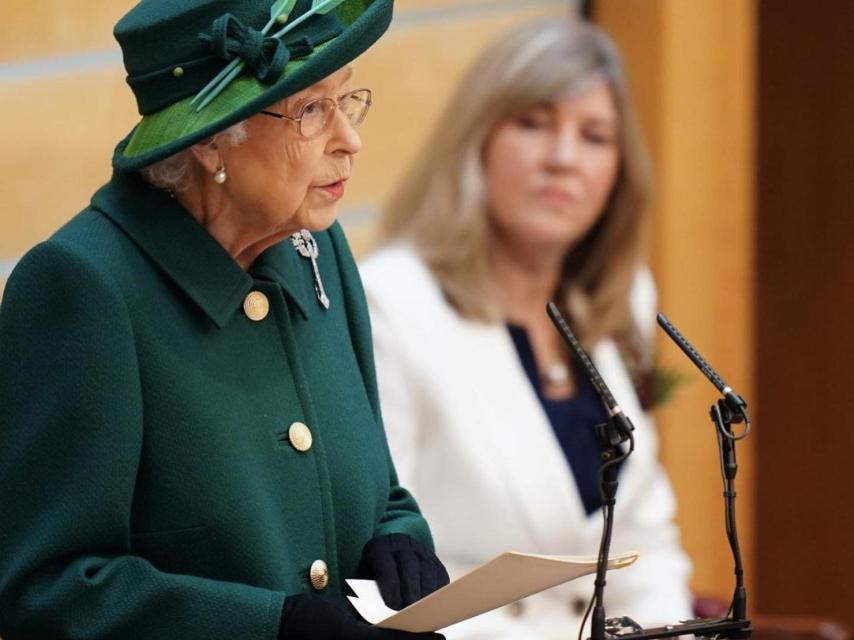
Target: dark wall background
(805, 318)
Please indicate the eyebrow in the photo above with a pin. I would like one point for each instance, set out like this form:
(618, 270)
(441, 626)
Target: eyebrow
(600, 121)
(348, 71)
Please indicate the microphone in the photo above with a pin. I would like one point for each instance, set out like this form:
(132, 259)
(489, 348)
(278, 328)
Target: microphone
(734, 402)
(623, 426)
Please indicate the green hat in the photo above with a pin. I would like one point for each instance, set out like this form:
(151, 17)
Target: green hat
(175, 50)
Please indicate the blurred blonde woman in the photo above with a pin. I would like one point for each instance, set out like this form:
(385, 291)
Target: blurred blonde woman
(533, 187)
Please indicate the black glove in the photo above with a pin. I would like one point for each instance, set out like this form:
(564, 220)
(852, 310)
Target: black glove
(309, 616)
(405, 570)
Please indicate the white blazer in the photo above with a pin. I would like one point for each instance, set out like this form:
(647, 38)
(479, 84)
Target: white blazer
(472, 442)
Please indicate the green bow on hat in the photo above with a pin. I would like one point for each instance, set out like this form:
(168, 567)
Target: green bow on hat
(197, 67)
(230, 39)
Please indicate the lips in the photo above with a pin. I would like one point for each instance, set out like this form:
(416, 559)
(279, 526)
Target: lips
(334, 190)
(557, 195)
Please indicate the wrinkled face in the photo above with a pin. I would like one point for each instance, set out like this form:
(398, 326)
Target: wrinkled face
(550, 170)
(280, 180)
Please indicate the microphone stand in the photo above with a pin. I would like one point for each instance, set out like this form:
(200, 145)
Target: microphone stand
(618, 429)
(612, 456)
(723, 419)
(729, 410)
(735, 624)
(610, 435)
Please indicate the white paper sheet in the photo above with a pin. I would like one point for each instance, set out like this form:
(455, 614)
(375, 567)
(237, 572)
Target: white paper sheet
(504, 579)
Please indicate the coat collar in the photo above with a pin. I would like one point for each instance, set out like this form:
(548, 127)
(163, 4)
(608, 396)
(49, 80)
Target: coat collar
(281, 263)
(188, 254)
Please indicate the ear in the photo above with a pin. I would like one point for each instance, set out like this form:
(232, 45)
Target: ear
(208, 154)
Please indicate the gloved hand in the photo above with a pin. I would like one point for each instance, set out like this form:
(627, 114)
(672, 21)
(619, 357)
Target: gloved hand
(309, 616)
(405, 570)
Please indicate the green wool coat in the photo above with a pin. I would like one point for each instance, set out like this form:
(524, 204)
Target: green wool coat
(149, 488)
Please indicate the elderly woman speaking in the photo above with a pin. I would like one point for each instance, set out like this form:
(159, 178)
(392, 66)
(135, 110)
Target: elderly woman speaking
(190, 437)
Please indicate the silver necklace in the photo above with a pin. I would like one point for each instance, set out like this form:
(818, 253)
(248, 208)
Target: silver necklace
(306, 246)
(556, 373)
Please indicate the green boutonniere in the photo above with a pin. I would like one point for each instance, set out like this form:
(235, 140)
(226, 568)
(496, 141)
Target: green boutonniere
(655, 385)
(664, 383)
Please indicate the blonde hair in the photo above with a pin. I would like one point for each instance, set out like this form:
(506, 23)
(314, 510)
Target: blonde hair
(441, 206)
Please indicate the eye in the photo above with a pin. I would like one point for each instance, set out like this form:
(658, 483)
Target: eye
(534, 119)
(311, 109)
(599, 136)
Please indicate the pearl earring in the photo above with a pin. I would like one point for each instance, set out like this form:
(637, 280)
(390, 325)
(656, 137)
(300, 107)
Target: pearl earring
(220, 176)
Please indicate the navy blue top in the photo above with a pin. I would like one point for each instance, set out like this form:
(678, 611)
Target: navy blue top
(573, 420)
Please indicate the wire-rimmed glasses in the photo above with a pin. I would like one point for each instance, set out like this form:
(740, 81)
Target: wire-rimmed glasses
(315, 116)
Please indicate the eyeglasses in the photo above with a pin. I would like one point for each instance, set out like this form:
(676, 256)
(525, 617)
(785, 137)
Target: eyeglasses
(315, 116)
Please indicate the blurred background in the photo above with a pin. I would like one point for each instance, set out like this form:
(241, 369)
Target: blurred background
(746, 106)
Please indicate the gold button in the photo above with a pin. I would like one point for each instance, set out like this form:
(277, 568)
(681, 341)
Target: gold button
(178, 72)
(256, 306)
(515, 609)
(300, 436)
(319, 574)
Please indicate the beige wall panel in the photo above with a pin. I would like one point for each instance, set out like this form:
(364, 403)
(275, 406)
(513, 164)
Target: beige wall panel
(361, 236)
(54, 27)
(631, 23)
(59, 132)
(692, 66)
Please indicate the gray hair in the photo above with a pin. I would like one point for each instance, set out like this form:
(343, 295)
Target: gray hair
(173, 173)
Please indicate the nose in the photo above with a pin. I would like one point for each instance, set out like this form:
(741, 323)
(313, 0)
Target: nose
(344, 139)
(564, 150)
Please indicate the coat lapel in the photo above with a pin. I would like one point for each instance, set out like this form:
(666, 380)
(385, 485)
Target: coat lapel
(519, 439)
(189, 255)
